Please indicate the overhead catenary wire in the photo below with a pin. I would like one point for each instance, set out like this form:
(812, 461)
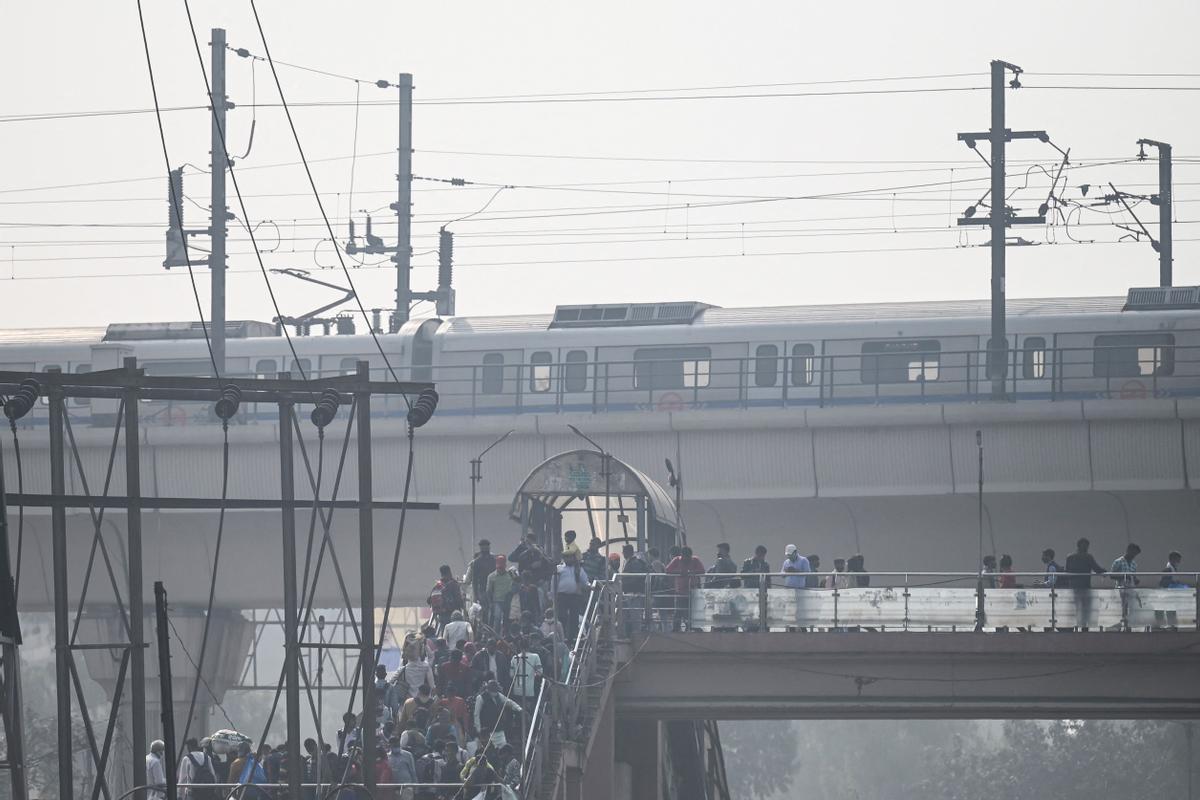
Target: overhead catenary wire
(237, 190)
(317, 196)
(176, 202)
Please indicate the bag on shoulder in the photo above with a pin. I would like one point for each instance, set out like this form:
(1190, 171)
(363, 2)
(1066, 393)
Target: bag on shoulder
(436, 599)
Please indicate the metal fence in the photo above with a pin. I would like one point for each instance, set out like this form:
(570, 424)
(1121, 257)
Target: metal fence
(895, 601)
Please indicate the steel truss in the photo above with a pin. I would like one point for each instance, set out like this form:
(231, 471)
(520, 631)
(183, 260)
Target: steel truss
(128, 386)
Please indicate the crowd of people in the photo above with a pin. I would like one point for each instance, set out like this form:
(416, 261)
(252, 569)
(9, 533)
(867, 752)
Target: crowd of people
(451, 719)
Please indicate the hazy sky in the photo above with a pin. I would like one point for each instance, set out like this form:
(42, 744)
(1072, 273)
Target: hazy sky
(684, 238)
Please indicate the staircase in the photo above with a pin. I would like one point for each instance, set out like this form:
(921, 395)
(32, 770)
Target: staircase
(565, 718)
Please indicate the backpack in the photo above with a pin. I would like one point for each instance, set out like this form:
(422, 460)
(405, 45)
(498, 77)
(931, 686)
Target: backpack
(202, 772)
(436, 601)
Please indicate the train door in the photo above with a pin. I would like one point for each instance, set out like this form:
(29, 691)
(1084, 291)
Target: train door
(576, 379)
(1033, 367)
(541, 377)
(764, 374)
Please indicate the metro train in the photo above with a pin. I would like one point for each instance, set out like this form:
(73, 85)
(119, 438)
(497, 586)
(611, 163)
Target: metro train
(685, 355)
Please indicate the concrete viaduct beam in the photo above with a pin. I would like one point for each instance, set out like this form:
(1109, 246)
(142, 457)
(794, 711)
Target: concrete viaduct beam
(911, 676)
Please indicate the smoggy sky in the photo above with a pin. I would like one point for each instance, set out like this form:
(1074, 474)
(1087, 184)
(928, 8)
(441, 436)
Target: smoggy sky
(654, 201)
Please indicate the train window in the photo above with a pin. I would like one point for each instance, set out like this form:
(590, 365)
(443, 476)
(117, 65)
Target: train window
(82, 369)
(766, 365)
(905, 361)
(266, 368)
(1132, 355)
(302, 368)
(671, 367)
(492, 379)
(539, 371)
(804, 365)
(575, 371)
(348, 366)
(1034, 357)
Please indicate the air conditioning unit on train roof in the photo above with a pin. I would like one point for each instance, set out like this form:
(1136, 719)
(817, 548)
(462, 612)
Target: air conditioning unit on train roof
(1162, 298)
(151, 331)
(614, 314)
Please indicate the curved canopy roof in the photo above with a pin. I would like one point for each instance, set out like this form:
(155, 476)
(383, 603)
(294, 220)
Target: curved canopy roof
(579, 473)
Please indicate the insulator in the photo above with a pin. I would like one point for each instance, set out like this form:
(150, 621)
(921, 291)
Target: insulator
(227, 405)
(422, 410)
(23, 399)
(326, 408)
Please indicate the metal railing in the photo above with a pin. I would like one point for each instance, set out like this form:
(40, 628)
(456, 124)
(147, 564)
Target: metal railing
(561, 712)
(819, 379)
(906, 601)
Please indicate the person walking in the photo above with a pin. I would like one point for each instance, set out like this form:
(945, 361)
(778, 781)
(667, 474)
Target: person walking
(723, 565)
(839, 578)
(156, 771)
(458, 631)
(1079, 568)
(570, 546)
(593, 562)
(446, 596)
(796, 567)
(1050, 575)
(1007, 579)
(501, 586)
(755, 566)
(1170, 578)
(686, 568)
(571, 595)
(526, 670)
(1124, 574)
(857, 564)
(195, 768)
(483, 565)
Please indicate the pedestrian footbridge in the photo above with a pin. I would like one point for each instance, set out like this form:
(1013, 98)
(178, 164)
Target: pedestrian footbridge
(627, 721)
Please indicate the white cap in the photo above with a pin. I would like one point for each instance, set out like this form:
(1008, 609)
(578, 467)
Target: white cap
(791, 548)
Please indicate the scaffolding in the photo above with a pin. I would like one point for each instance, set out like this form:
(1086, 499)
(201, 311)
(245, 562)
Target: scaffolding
(122, 391)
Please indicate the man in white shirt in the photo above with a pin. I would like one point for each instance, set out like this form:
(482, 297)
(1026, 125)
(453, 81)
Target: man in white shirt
(156, 773)
(490, 716)
(526, 669)
(408, 681)
(457, 631)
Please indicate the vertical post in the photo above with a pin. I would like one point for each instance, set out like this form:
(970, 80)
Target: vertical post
(291, 650)
(366, 561)
(1164, 215)
(979, 609)
(164, 683)
(62, 625)
(403, 207)
(476, 477)
(10, 714)
(762, 604)
(997, 362)
(133, 522)
(218, 165)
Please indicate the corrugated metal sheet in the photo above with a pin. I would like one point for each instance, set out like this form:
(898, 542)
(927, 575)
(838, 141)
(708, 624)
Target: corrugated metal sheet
(1022, 456)
(888, 460)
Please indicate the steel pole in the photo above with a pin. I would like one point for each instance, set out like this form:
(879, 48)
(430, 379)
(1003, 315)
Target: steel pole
(366, 565)
(476, 476)
(10, 655)
(164, 684)
(219, 213)
(137, 656)
(403, 207)
(1165, 257)
(62, 625)
(291, 650)
(997, 345)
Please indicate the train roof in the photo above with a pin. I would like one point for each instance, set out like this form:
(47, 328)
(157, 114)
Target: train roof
(90, 335)
(713, 315)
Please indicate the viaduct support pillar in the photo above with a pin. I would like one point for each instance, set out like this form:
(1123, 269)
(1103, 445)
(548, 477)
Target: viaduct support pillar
(639, 746)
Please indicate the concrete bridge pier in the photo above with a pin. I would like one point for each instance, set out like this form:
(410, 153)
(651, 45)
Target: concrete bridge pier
(228, 644)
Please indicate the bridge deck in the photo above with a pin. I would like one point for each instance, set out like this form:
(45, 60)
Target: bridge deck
(781, 675)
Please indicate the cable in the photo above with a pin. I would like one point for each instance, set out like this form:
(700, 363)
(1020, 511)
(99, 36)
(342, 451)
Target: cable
(192, 661)
(212, 584)
(233, 177)
(307, 171)
(175, 201)
(12, 423)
